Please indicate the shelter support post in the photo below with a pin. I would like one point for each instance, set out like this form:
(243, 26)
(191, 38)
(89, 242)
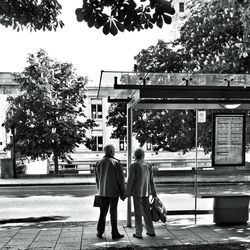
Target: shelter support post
(129, 157)
(196, 163)
(130, 106)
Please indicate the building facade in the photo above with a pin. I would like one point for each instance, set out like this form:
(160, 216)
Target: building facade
(178, 18)
(7, 88)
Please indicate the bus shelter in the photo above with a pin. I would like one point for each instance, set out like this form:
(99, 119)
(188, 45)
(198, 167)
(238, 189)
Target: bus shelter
(178, 91)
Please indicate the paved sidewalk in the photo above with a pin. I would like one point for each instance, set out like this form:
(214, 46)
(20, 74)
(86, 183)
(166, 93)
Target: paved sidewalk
(45, 180)
(82, 235)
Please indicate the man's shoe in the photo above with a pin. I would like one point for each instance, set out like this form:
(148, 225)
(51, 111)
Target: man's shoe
(117, 236)
(152, 235)
(136, 236)
(99, 235)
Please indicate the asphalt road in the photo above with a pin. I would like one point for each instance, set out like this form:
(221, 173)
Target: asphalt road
(90, 190)
(75, 202)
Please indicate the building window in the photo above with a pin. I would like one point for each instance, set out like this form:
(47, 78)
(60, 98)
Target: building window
(123, 144)
(181, 7)
(149, 146)
(97, 143)
(96, 111)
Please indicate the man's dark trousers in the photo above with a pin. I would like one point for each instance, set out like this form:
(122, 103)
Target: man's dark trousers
(105, 203)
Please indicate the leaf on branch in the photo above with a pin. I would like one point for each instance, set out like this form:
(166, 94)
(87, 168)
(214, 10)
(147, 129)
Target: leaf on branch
(79, 14)
(124, 15)
(35, 15)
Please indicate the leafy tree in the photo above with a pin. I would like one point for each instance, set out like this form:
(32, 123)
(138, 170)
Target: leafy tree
(114, 16)
(159, 58)
(32, 14)
(170, 130)
(45, 116)
(122, 14)
(244, 8)
(211, 41)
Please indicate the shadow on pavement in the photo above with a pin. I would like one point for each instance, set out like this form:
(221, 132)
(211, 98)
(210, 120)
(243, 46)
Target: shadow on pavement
(33, 219)
(229, 246)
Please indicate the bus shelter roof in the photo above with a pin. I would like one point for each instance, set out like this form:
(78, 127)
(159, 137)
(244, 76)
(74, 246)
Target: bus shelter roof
(175, 88)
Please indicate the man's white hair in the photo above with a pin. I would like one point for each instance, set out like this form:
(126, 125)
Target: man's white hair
(109, 149)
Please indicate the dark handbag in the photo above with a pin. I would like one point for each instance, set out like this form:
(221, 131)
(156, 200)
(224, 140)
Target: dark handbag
(97, 201)
(154, 214)
(158, 209)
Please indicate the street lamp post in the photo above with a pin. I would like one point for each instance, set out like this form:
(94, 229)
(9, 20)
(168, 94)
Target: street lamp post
(14, 151)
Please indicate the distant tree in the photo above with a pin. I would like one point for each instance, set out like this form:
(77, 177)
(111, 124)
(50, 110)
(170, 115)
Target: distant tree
(212, 39)
(159, 58)
(170, 130)
(243, 7)
(46, 116)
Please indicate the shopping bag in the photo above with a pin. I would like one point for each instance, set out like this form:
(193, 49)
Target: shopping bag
(154, 214)
(97, 201)
(156, 205)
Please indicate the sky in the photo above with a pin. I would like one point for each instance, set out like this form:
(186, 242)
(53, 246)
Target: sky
(88, 49)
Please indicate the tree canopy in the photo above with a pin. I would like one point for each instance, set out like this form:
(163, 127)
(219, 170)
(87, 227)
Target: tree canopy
(244, 8)
(211, 41)
(32, 14)
(112, 16)
(115, 16)
(45, 116)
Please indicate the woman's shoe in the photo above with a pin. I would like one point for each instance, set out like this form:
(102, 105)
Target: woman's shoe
(136, 236)
(117, 236)
(152, 235)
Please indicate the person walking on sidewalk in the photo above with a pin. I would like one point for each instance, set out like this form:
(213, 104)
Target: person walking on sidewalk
(140, 185)
(110, 185)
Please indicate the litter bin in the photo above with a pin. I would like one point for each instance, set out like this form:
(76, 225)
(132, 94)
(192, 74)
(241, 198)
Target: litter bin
(7, 168)
(231, 209)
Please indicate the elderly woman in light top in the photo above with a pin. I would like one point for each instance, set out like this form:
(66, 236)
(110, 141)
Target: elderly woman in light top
(140, 185)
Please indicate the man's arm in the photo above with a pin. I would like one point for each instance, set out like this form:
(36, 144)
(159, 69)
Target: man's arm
(96, 176)
(120, 178)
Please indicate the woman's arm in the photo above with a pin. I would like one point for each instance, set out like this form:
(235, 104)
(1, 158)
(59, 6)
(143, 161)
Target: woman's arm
(131, 179)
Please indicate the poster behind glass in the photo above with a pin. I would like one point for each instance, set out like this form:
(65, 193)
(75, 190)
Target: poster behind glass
(229, 139)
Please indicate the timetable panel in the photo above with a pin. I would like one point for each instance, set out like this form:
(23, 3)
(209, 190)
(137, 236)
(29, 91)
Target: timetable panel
(229, 148)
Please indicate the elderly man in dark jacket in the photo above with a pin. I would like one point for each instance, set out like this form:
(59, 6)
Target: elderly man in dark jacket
(110, 184)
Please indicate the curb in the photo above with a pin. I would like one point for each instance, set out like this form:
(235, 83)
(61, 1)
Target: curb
(82, 183)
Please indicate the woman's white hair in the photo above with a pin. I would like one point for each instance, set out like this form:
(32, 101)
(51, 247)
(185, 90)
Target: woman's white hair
(139, 154)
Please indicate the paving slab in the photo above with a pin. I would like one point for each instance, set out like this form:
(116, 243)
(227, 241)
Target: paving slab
(207, 234)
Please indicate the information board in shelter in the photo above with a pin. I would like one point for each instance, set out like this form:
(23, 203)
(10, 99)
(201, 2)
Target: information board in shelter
(229, 148)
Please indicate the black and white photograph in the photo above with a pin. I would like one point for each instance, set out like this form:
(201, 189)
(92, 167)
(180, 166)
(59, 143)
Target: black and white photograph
(124, 124)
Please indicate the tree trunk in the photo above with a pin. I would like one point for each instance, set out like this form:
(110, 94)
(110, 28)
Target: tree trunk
(13, 152)
(56, 162)
(248, 65)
